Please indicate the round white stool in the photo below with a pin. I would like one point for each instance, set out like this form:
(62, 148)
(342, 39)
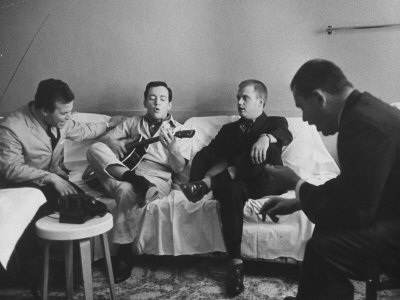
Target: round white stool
(50, 229)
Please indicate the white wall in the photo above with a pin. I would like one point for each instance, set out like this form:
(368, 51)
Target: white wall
(108, 50)
(370, 58)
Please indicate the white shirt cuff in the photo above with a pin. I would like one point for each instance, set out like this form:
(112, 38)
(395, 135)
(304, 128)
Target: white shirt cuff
(298, 186)
(272, 139)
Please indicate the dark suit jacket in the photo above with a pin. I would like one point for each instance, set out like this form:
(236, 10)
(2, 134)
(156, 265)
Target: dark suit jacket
(230, 142)
(368, 189)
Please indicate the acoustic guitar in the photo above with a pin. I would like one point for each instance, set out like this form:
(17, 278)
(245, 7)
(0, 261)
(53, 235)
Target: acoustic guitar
(136, 148)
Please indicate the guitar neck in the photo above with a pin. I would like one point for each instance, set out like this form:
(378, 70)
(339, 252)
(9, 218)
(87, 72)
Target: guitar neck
(135, 144)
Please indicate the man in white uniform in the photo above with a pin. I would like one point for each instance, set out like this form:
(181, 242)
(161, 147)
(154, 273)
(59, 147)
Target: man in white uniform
(153, 176)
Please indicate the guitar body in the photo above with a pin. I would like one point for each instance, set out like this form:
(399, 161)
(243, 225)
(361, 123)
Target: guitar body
(134, 156)
(136, 149)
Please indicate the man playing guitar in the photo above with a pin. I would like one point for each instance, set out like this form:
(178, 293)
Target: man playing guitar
(152, 176)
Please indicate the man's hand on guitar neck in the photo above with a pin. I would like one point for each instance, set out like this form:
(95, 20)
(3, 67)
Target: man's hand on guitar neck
(168, 140)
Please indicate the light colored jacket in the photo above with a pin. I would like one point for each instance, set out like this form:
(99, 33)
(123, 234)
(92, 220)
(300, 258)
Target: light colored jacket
(25, 148)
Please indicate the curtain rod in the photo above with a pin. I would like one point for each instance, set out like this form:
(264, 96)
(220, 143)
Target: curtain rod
(330, 28)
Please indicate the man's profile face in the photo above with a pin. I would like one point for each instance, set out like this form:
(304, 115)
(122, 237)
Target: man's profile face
(250, 105)
(60, 115)
(313, 112)
(157, 103)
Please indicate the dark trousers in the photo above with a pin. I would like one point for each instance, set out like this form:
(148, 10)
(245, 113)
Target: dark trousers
(252, 182)
(332, 258)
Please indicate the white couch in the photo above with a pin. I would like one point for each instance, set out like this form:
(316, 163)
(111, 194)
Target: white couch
(174, 226)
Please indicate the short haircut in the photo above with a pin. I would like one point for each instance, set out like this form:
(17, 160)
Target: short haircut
(156, 84)
(50, 91)
(319, 74)
(259, 87)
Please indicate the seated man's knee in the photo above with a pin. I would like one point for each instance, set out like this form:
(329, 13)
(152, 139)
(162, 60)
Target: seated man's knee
(274, 155)
(96, 151)
(324, 245)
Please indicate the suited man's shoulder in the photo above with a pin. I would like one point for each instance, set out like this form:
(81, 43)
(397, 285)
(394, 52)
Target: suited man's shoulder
(16, 119)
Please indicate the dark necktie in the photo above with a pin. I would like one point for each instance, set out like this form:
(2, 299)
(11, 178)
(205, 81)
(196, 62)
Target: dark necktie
(154, 125)
(245, 126)
(53, 139)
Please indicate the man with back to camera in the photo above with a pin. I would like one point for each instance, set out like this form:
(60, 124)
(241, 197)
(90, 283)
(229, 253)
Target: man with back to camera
(232, 167)
(153, 176)
(32, 149)
(357, 214)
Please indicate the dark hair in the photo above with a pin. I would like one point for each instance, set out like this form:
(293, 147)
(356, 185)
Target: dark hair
(319, 74)
(155, 84)
(50, 91)
(258, 86)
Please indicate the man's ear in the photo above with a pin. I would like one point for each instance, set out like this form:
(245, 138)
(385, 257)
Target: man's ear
(145, 103)
(319, 96)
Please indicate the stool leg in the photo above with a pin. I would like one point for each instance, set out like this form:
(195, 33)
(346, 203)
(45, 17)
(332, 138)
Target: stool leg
(370, 290)
(69, 257)
(46, 270)
(106, 249)
(86, 268)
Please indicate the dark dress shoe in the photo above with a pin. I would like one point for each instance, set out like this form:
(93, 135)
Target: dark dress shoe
(289, 298)
(194, 191)
(121, 268)
(235, 280)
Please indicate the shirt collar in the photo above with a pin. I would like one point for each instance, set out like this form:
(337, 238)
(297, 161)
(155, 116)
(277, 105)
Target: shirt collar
(250, 121)
(353, 95)
(168, 118)
(36, 116)
(246, 124)
(154, 125)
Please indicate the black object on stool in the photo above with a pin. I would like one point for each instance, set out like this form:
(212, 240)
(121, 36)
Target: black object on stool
(78, 208)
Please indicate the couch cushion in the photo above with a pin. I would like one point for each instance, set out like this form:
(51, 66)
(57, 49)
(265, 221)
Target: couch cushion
(307, 154)
(206, 129)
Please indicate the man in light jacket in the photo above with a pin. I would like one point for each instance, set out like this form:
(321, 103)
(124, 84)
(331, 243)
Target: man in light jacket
(32, 150)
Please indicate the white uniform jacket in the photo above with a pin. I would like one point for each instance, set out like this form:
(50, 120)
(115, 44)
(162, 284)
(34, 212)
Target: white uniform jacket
(25, 148)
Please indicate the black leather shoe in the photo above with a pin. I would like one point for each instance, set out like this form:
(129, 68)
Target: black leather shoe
(122, 270)
(194, 191)
(235, 285)
(122, 263)
(289, 298)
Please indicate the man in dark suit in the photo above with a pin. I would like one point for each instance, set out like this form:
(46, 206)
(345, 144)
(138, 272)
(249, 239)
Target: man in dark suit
(357, 214)
(232, 167)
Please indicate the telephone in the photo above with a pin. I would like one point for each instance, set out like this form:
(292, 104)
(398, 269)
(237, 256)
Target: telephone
(78, 208)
